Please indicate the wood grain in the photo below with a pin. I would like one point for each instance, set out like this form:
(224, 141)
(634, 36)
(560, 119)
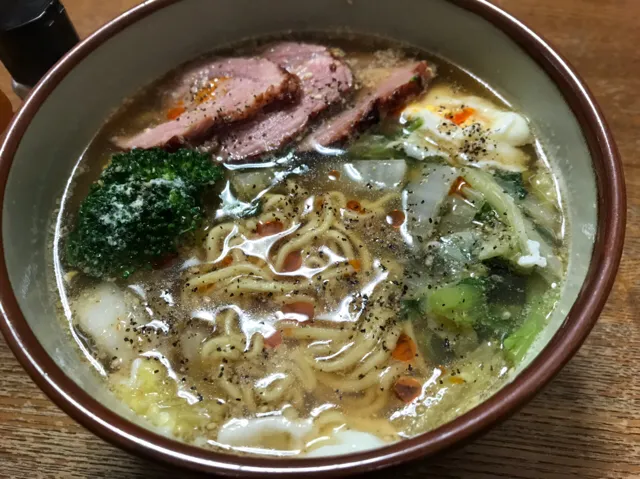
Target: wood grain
(585, 424)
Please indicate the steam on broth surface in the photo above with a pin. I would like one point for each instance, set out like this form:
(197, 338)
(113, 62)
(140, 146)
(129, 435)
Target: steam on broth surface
(310, 248)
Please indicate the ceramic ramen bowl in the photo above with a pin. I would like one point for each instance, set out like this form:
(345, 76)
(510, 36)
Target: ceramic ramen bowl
(71, 102)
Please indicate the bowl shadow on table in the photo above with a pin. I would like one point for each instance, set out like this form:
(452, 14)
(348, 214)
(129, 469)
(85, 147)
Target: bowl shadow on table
(545, 438)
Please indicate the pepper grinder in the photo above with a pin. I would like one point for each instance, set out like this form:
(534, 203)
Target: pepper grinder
(34, 35)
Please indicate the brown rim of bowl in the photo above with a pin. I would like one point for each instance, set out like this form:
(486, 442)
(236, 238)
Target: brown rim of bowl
(581, 318)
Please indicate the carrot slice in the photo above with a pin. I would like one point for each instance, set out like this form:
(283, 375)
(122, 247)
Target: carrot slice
(354, 205)
(355, 264)
(396, 218)
(334, 175)
(405, 349)
(174, 113)
(274, 340)
(456, 380)
(407, 388)
(463, 115)
(292, 262)
(457, 186)
(270, 228)
(226, 261)
(302, 308)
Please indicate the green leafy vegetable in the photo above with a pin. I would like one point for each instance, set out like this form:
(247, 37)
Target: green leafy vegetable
(413, 125)
(138, 210)
(384, 144)
(518, 343)
(194, 169)
(463, 303)
(412, 309)
(503, 204)
(540, 301)
(486, 214)
(373, 147)
(542, 185)
(492, 304)
(512, 183)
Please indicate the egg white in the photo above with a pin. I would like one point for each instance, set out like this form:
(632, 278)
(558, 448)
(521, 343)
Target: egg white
(495, 135)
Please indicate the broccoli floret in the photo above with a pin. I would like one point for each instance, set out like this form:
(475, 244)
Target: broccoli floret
(194, 168)
(138, 210)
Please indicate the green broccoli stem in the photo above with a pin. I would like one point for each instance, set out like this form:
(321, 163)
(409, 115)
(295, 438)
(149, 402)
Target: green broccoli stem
(519, 342)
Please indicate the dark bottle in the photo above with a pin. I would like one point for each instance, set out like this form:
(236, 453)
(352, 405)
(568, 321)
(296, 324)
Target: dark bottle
(34, 35)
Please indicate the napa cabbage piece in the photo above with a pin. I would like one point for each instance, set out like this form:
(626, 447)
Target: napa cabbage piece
(153, 395)
(529, 247)
(501, 202)
(459, 214)
(248, 184)
(423, 199)
(233, 207)
(542, 204)
(254, 181)
(380, 174)
(384, 144)
(456, 256)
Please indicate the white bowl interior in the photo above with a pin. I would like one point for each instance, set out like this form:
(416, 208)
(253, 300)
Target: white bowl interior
(75, 110)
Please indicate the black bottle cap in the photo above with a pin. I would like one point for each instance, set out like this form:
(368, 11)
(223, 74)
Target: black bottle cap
(34, 35)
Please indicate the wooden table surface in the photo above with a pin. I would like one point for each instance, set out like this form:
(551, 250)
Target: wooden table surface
(585, 424)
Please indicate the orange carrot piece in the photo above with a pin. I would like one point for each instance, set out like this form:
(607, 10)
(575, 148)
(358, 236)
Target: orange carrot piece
(292, 262)
(457, 186)
(303, 308)
(226, 261)
(334, 175)
(355, 264)
(407, 388)
(270, 228)
(354, 205)
(456, 380)
(405, 349)
(274, 340)
(396, 218)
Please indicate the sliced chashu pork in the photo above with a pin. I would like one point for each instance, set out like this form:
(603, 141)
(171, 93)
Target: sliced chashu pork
(227, 91)
(399, 84)
(324, 80)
